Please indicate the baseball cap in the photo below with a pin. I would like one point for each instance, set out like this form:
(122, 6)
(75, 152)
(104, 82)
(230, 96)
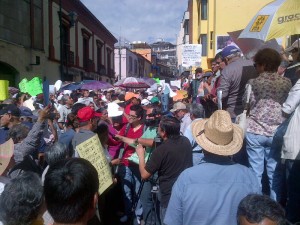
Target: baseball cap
(178, 106)
(229, 50)
(145, 102)
(11, 109)
(154, 100)
(130, 95)
(25, 111)
(86, 113)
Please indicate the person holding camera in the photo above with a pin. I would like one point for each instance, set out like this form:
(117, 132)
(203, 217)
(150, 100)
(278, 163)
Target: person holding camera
(169, 159)
(149, 140)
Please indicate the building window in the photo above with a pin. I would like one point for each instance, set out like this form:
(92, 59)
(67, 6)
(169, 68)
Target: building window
(130, 64)
(203, 39)
(66, 43)
(135, 66)
(100, 65)
(203, 9)
(37, 24)
(108, 54)
(85, 48)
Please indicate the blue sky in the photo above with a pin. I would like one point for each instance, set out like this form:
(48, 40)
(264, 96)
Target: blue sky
(140, 20)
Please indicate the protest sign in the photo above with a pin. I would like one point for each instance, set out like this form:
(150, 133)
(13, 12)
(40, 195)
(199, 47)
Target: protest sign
(191, 55)
(32, 87)
(92, 151)
(3, 89)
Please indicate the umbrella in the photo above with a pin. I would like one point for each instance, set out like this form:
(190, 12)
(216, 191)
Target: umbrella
(132, 82)
(180, 94)
(149, 80)
(96, 85)
(249, 46)
(75, 85)
(277, 19)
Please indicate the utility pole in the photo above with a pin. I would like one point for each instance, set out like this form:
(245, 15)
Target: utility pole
(120, 58)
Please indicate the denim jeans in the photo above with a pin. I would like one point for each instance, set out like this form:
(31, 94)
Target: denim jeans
(131, 181)
(150, 202)
(259, 151)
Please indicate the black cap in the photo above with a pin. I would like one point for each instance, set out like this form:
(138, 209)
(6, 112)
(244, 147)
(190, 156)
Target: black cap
(11, 109)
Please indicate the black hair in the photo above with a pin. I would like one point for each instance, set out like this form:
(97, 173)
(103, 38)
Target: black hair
(76, 107)
(268, 57)
(171, 126)
(69, 187)
(219, 56)
(22, 200)
(56, 152)
(138, 110)
(256, 208)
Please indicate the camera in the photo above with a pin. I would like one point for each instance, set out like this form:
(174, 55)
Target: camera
(157, 141)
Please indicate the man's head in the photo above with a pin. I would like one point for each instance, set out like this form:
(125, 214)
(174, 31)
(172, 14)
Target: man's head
(260, 209)
(220, 62)
(56, 152)
(88, 118)
(230, 52)
(85, 93)
(136, 114)
(71, 190)
(179, 110)
(169, 127)
(196, 111)
(218, 135)
(10, 115)
(22, 200)
(198, 73)
(153, 116)
(67, 100)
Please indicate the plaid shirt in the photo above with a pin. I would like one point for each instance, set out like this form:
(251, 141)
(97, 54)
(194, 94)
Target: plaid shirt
(269, 92)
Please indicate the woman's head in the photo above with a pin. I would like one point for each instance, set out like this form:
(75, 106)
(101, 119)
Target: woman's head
(267, 60)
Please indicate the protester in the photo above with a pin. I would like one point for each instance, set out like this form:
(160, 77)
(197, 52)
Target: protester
(22, 201)
(180, 111)
(71, 191)
(260, 209)
(294, 51)
(64, 109)
(169, 159)
(209, 193)
(233, 80)
(269, 91)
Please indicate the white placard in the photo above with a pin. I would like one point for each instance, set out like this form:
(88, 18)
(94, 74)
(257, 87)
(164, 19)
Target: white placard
(191, 55)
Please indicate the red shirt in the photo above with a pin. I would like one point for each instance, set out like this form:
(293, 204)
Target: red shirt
(129, 150)
(127, 111)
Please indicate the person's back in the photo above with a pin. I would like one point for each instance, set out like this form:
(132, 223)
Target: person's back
(211, 192)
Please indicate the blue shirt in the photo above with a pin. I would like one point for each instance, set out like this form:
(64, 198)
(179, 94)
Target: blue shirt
(3, 134)
(209, 193)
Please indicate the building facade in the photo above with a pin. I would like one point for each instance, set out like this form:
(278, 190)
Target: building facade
(54, 39)
(209, 21)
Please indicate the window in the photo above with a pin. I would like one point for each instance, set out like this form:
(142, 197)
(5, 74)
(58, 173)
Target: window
(37, 24)
(108, 54)
(85, 47)
(203, 38)
(66, 44)
(135, 66)
(99, 56)
(203, 9)
(130, 64)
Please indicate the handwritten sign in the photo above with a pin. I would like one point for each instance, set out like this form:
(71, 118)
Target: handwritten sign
(191, 55)
(3, 89)
(92, 151)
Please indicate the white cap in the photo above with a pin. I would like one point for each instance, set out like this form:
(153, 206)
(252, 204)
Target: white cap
(145, 102)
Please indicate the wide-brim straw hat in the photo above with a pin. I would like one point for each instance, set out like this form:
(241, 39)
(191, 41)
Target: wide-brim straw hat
(218, 135)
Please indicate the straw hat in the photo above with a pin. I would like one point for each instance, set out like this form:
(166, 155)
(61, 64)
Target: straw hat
(218, 135)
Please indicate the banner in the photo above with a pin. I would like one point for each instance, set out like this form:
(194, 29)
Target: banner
(4, 89)
(92, 151)
(191, 55)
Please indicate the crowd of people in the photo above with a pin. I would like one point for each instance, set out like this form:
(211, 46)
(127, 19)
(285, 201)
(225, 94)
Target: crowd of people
(188, 165)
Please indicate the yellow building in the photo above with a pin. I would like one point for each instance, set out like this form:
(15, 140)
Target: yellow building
(210, 20)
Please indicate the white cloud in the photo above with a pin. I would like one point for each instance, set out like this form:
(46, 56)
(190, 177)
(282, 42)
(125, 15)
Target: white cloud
(140, 20)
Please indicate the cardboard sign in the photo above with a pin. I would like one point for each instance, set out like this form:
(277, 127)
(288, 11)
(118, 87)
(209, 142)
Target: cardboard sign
(32, 87)
(92, 151)
(4, 89)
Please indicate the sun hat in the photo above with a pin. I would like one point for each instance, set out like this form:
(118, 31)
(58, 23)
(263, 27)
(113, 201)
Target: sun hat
(86, 113)
(218, 135)
(6, 152)
(113, 110)
(130, 95)
(178, 106)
